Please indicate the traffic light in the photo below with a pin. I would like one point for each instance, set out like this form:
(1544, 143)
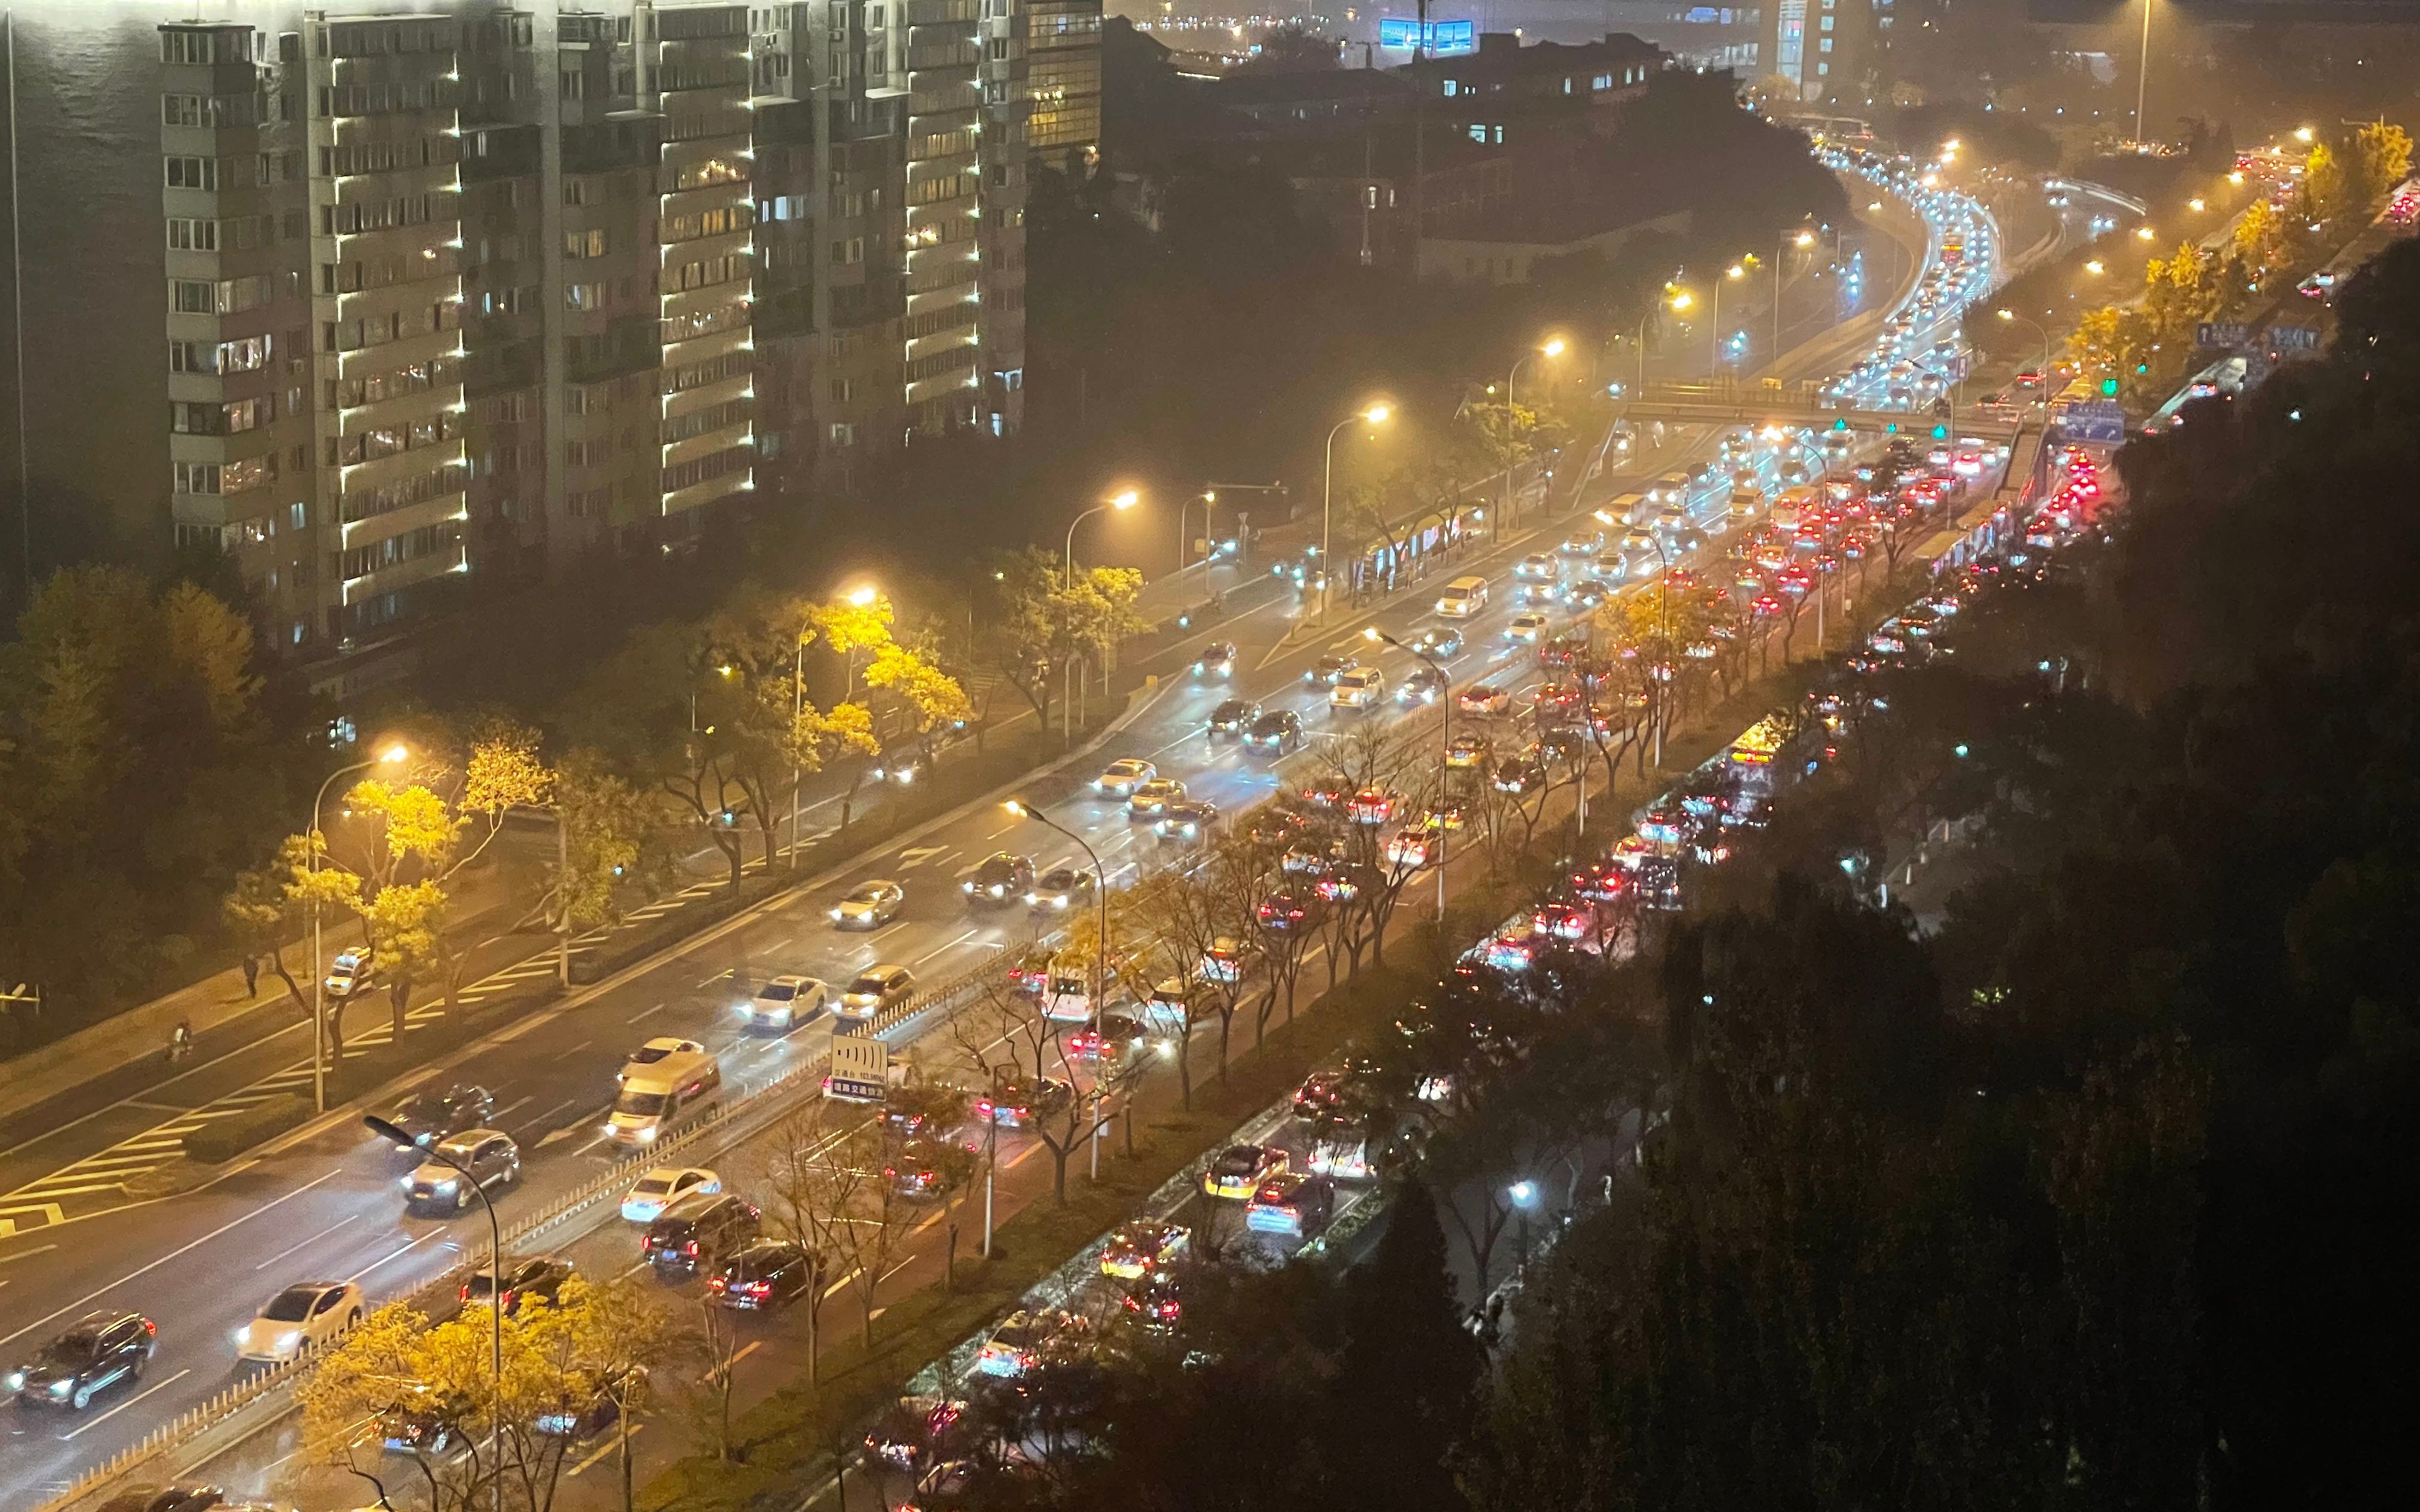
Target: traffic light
(2109, 388)
(1940, 433)
(1841, 423)
(1890, 427)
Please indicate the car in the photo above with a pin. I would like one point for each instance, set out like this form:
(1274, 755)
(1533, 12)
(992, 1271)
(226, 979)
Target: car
(876, 989)
(1462, 597)
(1537, 565)
(923, 1107)
(1537, 592)
(1017, 1104)
(1153, 798)
(1585, 543)
(1371, 806)
(1320, 1096)
(699, 1232)
(1137, 1249)
(1563, 920)
(1240, 1170)
(913, 1431)
(926, 1167)
(1297, 1204)
(1156, 1305)
(97, 1351)
(1588, 592)
(1326, 671)
(1188, 819)
(1517, 775)
(539, 1275)
(1218, 659)
(870, 904)
(1120, 778)
(433, 1114)
(659, 1189)
(299, 1320)
(1225, 961)
(1233, 716)
(1484, 700)
(761, 1275)
(439, 1187)
(998, 877)
(1424, 685)
(1439, 642)
(353, 971)
(1637, 540)
(662, 1047)
(1468, 750)
(1278, 731)
(1028, 1339)
(785, 1002)
(420, 1422)
(1357, 688)
(1061, 889)
(1527, 626)
(1110, 1037)
(1282, 913)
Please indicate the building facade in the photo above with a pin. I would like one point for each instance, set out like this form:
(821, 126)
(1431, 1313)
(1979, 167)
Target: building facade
(457, 295)
(1831, 51)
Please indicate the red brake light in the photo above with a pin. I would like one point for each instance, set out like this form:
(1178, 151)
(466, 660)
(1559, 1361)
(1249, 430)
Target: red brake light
(151, 1328)
(466, 1291)
(689, 1248)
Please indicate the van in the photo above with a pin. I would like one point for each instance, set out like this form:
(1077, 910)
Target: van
(1745, 503)
(1462, 597)
(1628, 508)
(659, 1096)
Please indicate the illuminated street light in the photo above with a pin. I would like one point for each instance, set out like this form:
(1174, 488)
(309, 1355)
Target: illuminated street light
(862, 596)
(1376, 415)
(2143, 233)
(2094, 267)
(2197, 205)
(2302, 133)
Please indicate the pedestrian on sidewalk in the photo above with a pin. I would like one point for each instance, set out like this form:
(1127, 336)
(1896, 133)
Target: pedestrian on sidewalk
(252, 976)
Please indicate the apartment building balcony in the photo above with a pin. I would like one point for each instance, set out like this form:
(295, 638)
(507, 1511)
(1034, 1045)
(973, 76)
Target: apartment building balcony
(940, 12)
(703, 348)
(403, 521)
(353, 361)
(690, 448)
(698, 495)
(731, 290)
(449, 558)
(705, 396)
(385, 472)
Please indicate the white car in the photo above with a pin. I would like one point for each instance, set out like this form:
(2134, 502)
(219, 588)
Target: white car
(1122, 778)
(785, 1002)
(1526, 628)
(352, 971)
(1357, 688)
(663, 1186)
(870, 904)
(299, 1320)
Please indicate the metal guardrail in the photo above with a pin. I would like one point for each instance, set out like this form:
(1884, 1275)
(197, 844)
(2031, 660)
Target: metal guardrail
(222, 1409)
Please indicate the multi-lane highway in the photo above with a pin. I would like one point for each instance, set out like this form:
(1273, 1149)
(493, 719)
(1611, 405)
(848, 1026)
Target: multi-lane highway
(326, 1205)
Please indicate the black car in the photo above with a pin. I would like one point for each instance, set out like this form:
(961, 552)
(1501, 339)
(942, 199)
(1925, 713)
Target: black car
(1234, 717)
(1438, 641)
(927, 1167)
(1061, 887)
(168, 1499)
(999, 877)
(1186, 819)
(1156, 1304)
(540, 1276)
(762, 1276)
(915, 1428)
(432, 1115)
(97, 1351)
(1326, 670)
(420, 1422)
(697, 1232)
(1427, 685)
(1278, 731)
(1218, 659)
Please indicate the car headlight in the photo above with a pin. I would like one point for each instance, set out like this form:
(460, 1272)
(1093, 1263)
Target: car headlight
(407, 1184)
(288, 1339)
(836, 914)
(646, 1136)
(446, 1185)
(242, 1336)
(16, 1380)
(60, 1388)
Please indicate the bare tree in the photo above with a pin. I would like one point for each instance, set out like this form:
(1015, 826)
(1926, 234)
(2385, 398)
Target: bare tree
(812, 1198)
(1007, 1037)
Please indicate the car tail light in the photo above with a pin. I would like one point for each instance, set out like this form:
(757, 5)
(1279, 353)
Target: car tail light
(689, 1248)
(756, 1288)
(150, 1328)
(466, 1291)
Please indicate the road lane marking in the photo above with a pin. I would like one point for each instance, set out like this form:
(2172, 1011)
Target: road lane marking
(943, 950)
(124, 1405)
(312, 1239)
(181, 1249)
(841, 1282)
(395, 1254)
(28, 1255)
(647, 1012)
(608, 1446)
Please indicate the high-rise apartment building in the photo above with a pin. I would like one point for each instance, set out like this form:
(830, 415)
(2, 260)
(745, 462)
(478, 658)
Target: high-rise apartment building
(1829, 49)
(456, 294)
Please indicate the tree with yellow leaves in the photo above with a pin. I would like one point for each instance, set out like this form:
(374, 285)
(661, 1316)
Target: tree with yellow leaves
(410, 839)
(2258, 245)
(2381, 157)
(2112, 343)
(2180, 292)
(571, 1369)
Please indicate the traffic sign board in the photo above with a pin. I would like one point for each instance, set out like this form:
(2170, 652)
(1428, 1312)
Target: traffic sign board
(2294, 338)
(860, 1068)
(2221, 333)
(2091, 421)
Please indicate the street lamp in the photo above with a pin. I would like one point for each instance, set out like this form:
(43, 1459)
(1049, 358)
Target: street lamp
(2143, 72)
(2143, 233)
(1676, 300)
(1185, 508)
(1803, 240)
(1376, 415)
(1552, 347)
(2304, 134)
(1714, 322)
(2037, 329)
(391, 755)
(1445, 740)
(1525, 1197)
(435, 1150)
(1099, 986)
(1122, 501)
(2094, 267)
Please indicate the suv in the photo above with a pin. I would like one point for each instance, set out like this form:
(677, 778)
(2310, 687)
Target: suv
(429, 1116)
(540, 1276)
(762, 1276)
(877, 987)
(1234, 717)
(97, 1351)
(998, 877)
(785, 1002)
(1357, 688)
(436, 1189)
(1154, 796)
(698, 1232)
(1279, 730)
